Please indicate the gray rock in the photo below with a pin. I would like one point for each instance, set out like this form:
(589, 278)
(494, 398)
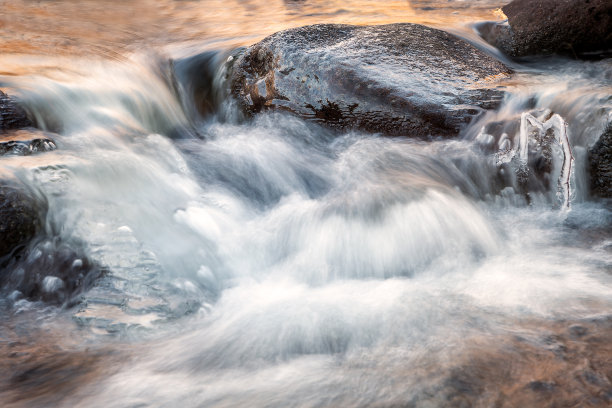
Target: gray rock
(600, 165)
(397, 79)
(12, 116)
(578, 28)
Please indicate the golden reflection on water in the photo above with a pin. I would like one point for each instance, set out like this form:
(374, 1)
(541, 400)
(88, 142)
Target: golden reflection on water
(109, 27)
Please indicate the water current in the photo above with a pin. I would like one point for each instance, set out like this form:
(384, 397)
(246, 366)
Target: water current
(272, 262)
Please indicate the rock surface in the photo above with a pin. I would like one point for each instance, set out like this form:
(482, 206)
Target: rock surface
(543, 27)
(12, 116)
(21, 215)
(397, 79)
(600, 162)
(21, 212)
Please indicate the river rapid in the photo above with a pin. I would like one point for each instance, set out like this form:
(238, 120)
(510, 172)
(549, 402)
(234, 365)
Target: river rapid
(271, 262)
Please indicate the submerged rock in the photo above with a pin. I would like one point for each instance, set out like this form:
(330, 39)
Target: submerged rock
(397, 79)
(12, 116)
(51, 269)
(36, 262)
(544, 27)
(600, 165)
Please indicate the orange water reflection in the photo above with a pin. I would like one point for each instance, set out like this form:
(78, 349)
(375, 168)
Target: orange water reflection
(109, 27)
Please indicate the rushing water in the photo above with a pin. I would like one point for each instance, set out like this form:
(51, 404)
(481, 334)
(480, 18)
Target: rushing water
(272, 262)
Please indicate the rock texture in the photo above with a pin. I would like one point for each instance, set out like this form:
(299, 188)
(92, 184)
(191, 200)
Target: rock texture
(577, 28)
(21, 211)
(397, 79)
(12, 116)
(600, 162)
(21, 215)
(25, 142)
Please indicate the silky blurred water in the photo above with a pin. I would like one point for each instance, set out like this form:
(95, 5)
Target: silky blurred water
(271, 262)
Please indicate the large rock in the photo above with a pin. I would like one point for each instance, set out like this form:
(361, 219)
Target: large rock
(12, 116)
(398, 79)
(600, 163)
(543, 27)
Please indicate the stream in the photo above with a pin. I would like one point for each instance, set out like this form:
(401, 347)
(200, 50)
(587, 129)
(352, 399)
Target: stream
(271, 262)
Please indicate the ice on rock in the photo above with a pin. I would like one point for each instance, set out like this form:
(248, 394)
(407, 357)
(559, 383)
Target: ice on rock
(559, 128)
(535, 133)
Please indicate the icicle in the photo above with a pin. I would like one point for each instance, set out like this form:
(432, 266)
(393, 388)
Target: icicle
(558, 125)
(564, 187)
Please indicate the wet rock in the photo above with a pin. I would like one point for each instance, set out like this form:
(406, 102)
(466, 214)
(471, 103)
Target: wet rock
(600, 165)
(12, 116)
(25, 142)
(21, 215)
(397, 79)
(543, 27)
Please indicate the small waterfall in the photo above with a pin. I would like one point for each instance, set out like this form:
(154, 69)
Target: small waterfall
(273, 262)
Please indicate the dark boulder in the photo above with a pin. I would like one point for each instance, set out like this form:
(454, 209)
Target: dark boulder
(12, 116)
(21, 210)
(577, 28)
(21, 216)
(25, 142)
(600, 165)
(397, 79)
(52, 269)
(35, 262)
